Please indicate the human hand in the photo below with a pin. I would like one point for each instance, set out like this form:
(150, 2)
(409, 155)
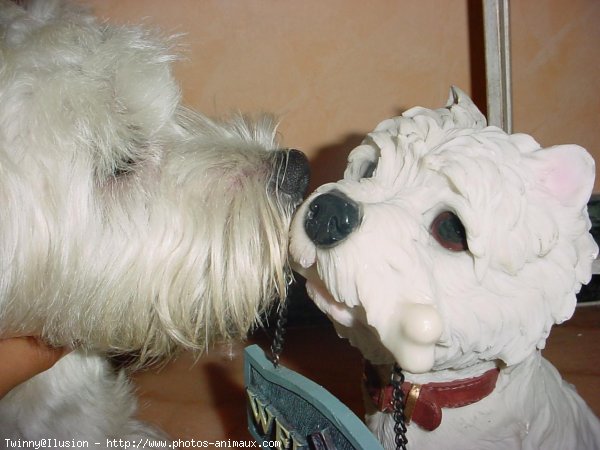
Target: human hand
(24, 357)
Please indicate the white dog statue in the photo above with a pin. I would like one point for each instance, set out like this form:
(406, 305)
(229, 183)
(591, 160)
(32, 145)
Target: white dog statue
(451, 248)
(128, 223)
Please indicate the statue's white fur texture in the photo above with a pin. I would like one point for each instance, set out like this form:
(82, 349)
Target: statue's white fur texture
(128, 223)
(401, 290)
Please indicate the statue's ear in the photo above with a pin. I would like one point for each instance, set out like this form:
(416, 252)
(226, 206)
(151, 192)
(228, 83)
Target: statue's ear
(566, 172)
(465, 113)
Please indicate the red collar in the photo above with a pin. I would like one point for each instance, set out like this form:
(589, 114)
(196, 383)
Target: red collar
(423, 403)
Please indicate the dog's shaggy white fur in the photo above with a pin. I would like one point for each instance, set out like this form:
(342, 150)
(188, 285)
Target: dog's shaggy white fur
(401, 282)
(128, 222)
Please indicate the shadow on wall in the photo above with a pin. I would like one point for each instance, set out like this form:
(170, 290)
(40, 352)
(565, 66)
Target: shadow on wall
(329, 162)
(477, 54)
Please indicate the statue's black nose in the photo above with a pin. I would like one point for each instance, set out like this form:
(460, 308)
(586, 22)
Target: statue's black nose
(330, 219)
(293, 173)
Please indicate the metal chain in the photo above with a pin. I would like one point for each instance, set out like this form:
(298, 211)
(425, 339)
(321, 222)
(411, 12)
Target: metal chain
(398, 414)
(397, 378)
(277, 345)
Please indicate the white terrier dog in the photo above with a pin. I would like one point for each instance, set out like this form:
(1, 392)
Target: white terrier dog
(452, 248)
(128, 223)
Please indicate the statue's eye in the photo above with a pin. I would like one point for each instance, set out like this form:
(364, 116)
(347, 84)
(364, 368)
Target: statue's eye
(449, 231)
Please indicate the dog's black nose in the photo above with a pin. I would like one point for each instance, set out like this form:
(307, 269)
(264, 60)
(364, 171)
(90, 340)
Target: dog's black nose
(331, 218)
(293, 173)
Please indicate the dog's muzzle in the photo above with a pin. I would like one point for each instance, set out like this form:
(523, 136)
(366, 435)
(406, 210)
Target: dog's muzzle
(331, 218)
(293, 179)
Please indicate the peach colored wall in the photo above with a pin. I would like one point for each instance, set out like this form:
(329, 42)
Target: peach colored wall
(332, 69)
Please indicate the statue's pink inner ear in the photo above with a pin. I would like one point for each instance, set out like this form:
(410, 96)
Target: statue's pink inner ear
(566, 172)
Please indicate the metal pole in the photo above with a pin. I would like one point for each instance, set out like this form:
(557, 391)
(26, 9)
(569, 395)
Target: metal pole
(497, 63)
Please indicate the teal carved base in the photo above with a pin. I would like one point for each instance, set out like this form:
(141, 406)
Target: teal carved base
(284, 406)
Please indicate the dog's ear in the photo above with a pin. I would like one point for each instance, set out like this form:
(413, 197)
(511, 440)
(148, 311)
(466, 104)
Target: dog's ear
(566, 172)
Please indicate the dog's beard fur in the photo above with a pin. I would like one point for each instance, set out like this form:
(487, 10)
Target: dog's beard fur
(128, 223)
